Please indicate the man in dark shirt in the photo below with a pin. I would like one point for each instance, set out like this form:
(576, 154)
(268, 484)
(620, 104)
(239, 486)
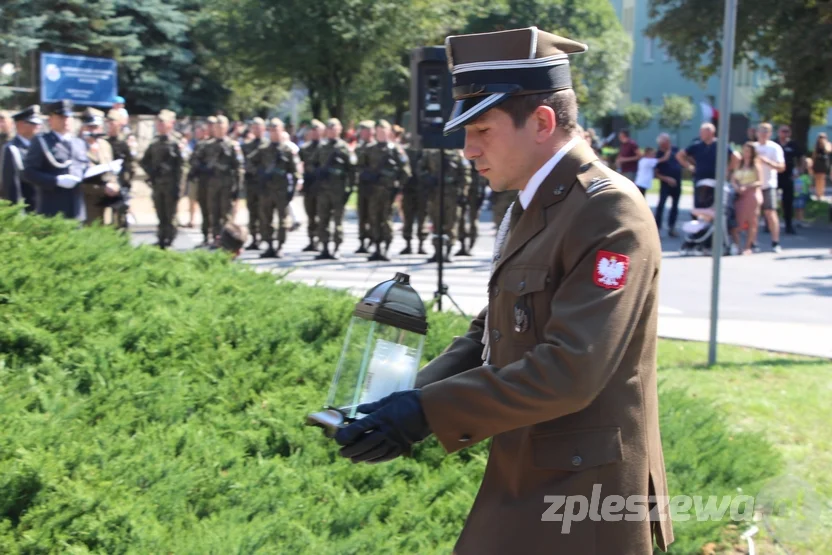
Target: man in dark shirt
(793, 155)
(670, 176)
(700, 159)
(627, 155)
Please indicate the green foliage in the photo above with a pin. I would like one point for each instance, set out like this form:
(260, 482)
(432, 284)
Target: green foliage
(780, 38)
(153, 402)
(675, 111)
(638, 115)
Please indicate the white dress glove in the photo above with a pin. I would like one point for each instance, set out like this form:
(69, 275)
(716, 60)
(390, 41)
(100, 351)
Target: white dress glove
(68, 181)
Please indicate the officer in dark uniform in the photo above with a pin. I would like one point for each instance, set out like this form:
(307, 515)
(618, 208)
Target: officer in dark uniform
(55, 165)
(15, 188)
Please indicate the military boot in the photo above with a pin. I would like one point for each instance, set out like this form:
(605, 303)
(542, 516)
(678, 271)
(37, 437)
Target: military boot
(312, 246)
(378, 256)
(422, 247)
(255, 244)
(325, 253)
(407, 249)
(270, 252)
(362, 249)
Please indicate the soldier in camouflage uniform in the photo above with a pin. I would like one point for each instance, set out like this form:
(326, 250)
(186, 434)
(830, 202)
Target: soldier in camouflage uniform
(334, 182)
(365, 139)
(120, 143)
(198, 176)
(469, 213)
(100, 189)
(414, 205)
(384, 166)
(221, 161)
(163, 163)
(457, 177)
(309, 157)
(251, 184)
(276, 167)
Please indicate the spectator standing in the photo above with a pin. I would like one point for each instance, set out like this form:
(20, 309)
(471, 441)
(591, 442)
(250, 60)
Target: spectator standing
(747, 180)
(772, 162)
(669, 173)
(793, 155)
(803, 190)
(628, 155)
(821, 164)
(700, 159)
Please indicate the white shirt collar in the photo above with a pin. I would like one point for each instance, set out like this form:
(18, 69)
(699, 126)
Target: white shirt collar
(64, 137)
(527, 194)
(24, 140)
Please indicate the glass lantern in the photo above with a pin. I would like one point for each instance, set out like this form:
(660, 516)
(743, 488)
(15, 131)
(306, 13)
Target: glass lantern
(381, 354)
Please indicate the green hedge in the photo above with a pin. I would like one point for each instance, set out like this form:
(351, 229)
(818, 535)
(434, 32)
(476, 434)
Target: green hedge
(153, 402)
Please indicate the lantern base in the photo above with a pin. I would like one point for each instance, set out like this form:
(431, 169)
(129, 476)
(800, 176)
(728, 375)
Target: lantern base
(330, 420)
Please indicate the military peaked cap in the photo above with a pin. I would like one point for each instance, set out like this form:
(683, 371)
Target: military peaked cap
(91, 116)
(167, 116)
(60, 108)
(488, 68)
(29, 115)
(211, 120)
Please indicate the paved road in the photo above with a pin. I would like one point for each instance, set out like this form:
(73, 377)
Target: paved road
(777, 301)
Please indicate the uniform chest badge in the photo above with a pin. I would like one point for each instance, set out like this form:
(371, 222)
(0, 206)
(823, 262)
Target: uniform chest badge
(521, 317)
(611, 270)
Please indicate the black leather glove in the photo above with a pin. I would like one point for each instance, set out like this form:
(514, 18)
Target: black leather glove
(392, 425)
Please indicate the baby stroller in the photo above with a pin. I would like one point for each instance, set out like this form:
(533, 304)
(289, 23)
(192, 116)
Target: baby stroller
(698, 233)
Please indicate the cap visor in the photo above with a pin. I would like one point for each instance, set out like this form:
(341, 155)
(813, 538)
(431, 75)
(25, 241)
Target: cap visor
(469, 109)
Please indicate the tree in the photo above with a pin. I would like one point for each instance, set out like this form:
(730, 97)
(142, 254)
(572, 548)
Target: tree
(781, 38)
(597, 74)
(674, 112)
(638, 116)
(18, 32)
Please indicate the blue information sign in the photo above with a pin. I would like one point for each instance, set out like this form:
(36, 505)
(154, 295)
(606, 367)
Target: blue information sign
(83, 80)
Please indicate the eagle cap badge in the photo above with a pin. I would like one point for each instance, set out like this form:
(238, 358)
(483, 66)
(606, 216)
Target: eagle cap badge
(611, 270)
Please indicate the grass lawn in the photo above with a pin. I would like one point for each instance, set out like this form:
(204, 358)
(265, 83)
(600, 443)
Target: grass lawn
(785, 398)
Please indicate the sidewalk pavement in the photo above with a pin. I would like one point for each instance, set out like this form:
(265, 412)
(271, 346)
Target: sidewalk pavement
(777, 336)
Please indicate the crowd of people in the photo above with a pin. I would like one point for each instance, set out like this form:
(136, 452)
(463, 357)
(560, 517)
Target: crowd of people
(215, 163)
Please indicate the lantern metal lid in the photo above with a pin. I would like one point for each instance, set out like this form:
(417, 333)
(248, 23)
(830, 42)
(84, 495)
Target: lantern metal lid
(395, 303)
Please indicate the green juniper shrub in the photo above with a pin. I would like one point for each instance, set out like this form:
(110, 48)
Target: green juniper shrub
(153, 402)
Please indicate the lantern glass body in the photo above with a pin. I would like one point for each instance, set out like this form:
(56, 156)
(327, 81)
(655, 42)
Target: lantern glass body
(376, 360)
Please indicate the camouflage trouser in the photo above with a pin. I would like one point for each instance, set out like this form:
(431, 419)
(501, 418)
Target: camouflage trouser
(274, 198)
(364, 194)
(310, 204)
(500, 203)
(448, 225)
(469, 217)
(204, 205)
(330, 207)
(415, 208)
(219, 202)
(165, 199)
(381, 213)
(253, 204)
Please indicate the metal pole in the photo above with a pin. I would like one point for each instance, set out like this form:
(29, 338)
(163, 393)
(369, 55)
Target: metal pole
(441, 225)
(726, 87)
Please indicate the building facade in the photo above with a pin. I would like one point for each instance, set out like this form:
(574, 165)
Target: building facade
(653, 74)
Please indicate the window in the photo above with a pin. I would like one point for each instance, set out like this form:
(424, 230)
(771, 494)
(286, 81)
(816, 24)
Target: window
(649, 43)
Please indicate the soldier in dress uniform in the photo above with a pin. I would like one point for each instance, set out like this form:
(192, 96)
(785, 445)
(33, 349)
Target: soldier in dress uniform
(414, 204)
(251, 184)
(309, 157)
(384, 167)
(122, 144)
(559, 370)
(334, 182)
(222, 160)
(14, 187)
(365, 139)
(457, 176)
(55, 165)
(276, 166)
(163, 162)
(101, 187)
(469, 214)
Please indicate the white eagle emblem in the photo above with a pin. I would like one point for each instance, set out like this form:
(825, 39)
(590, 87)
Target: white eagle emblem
(610, 271)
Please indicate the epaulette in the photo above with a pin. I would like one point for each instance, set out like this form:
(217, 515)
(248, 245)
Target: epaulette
(595, 177)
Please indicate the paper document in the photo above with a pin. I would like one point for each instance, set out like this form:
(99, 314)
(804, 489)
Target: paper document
(114, 166)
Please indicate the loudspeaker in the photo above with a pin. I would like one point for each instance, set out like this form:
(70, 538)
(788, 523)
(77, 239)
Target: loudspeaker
(431, 101)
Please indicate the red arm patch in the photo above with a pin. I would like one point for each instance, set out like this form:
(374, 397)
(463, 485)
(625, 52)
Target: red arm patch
(611, 270)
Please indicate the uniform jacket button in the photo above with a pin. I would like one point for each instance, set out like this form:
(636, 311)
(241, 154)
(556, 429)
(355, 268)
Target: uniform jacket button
(465, 438)
(576, 460)
(495, 335)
